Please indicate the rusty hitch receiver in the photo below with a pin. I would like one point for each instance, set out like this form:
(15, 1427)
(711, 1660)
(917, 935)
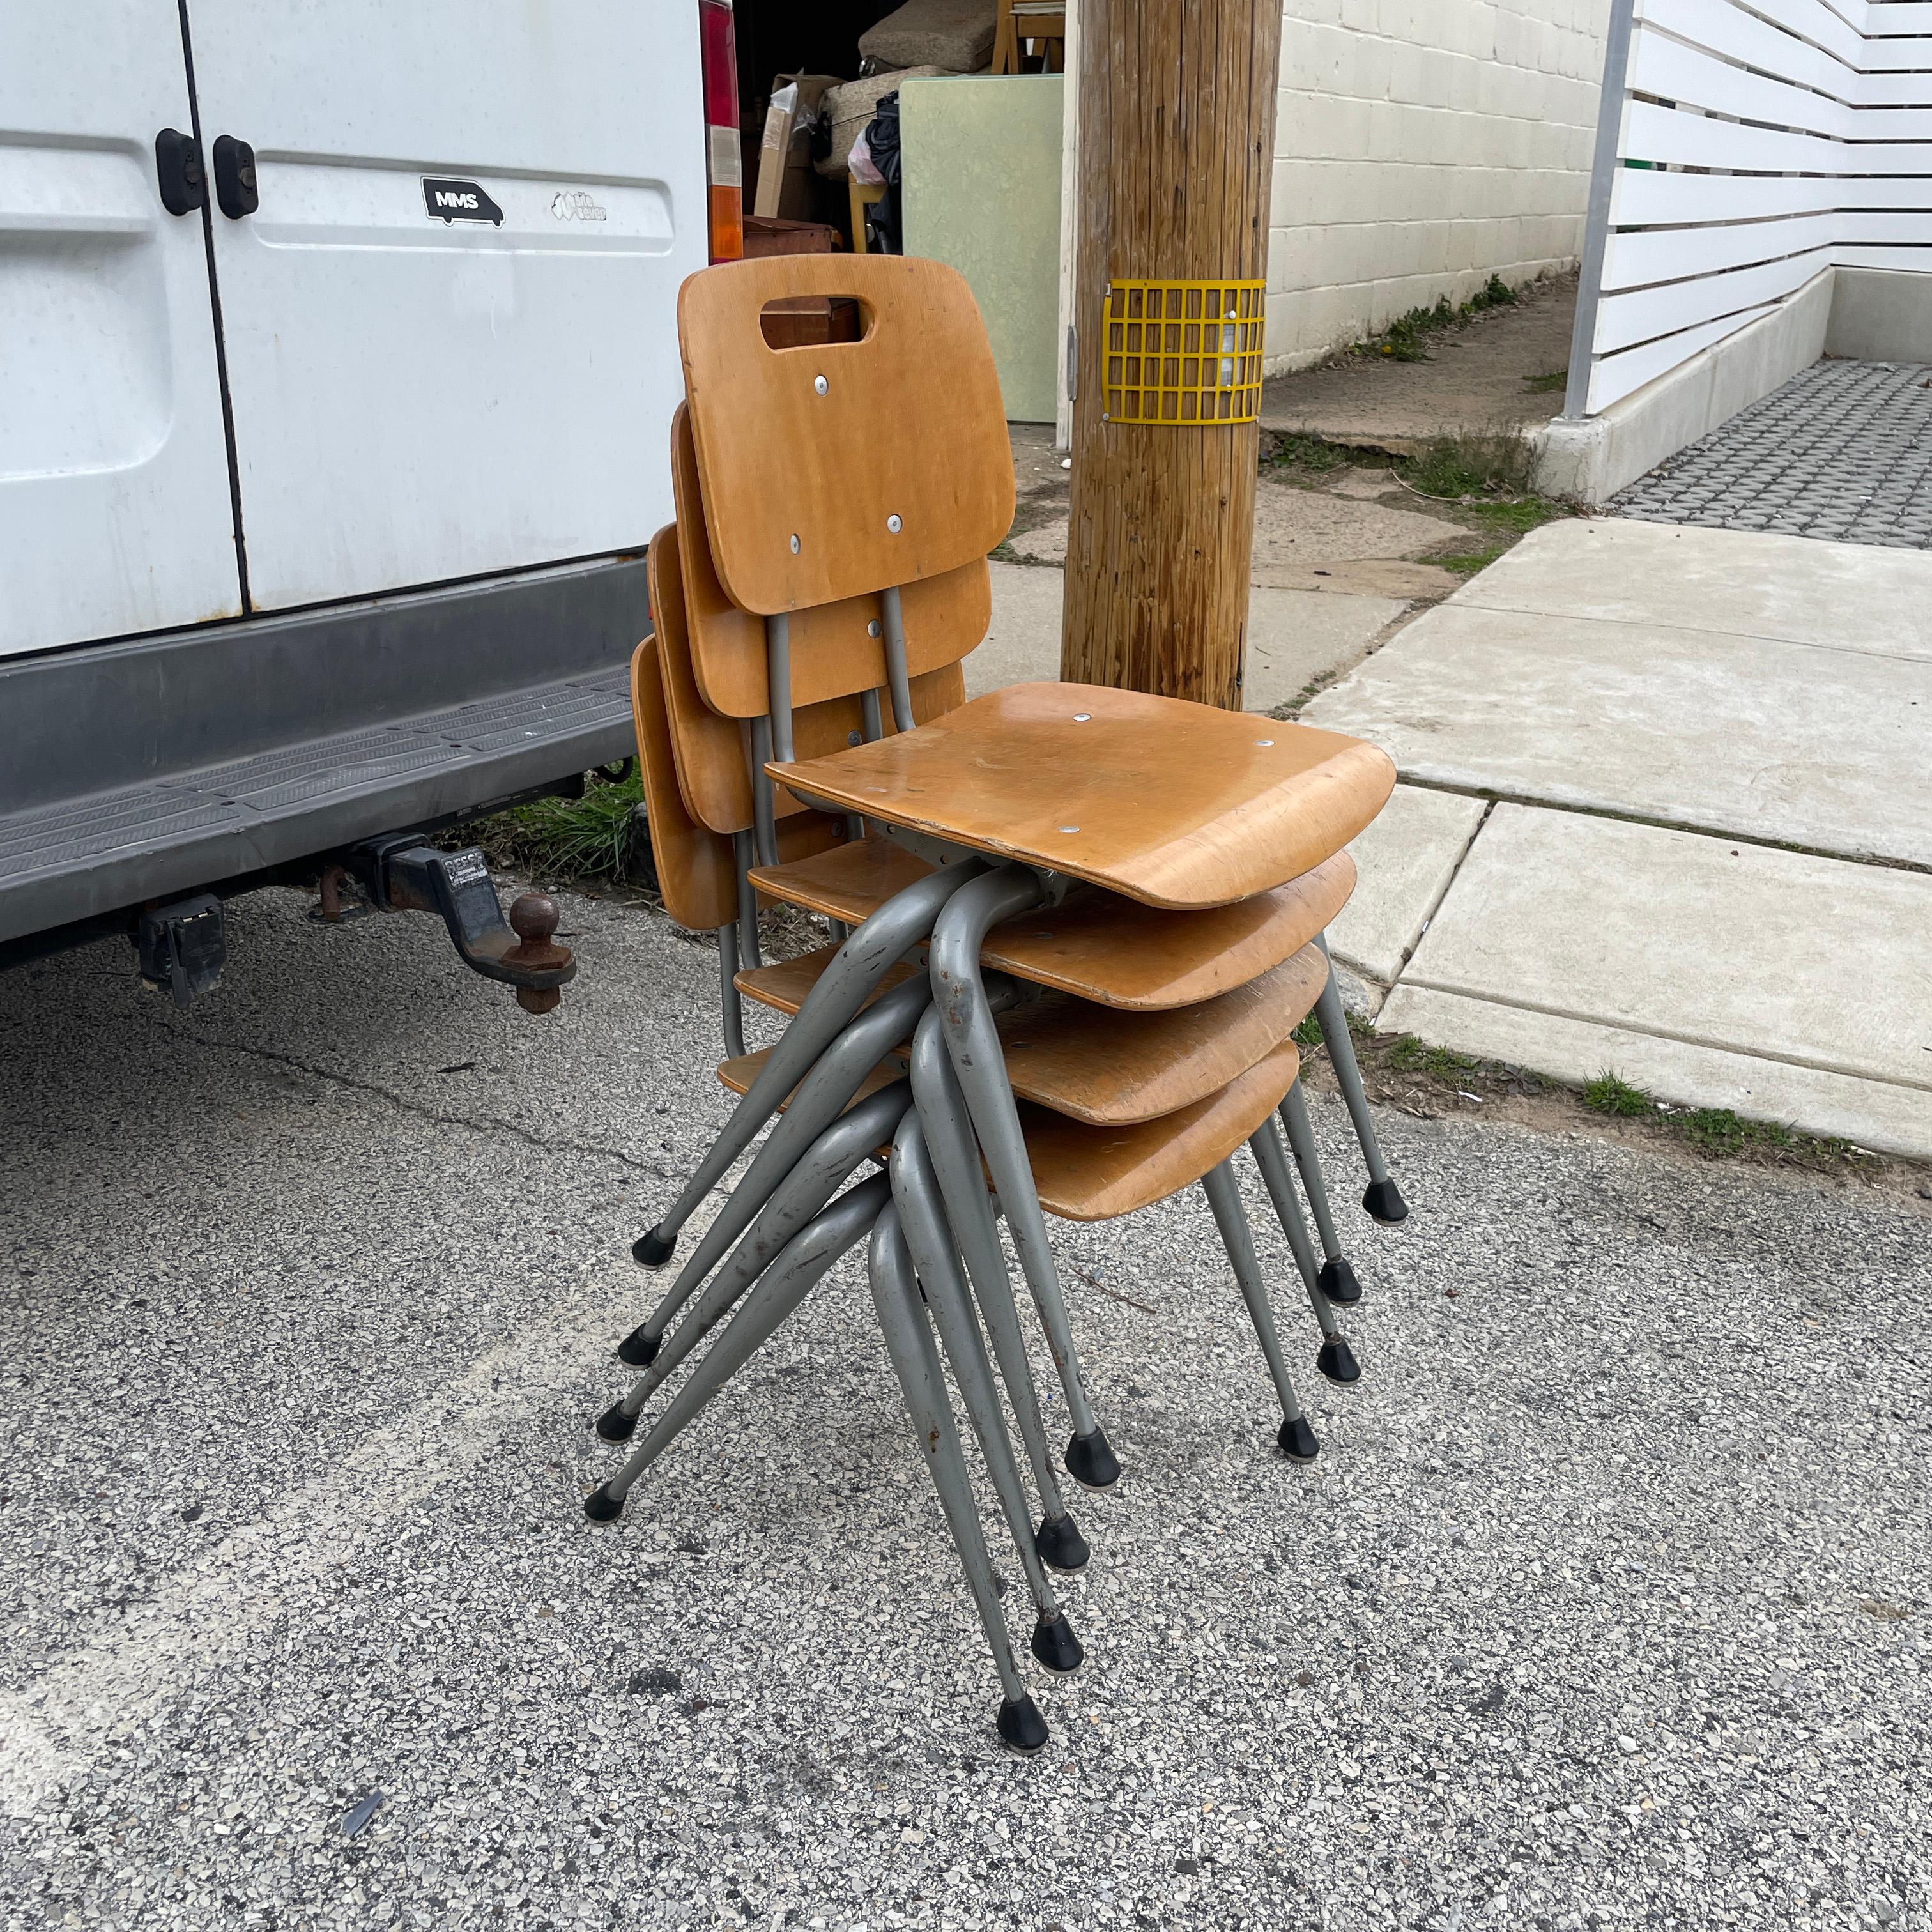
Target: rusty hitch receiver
(405, 875)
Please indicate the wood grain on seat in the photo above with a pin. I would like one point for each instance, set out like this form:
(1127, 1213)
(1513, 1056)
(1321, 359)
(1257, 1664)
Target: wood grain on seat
(850, 883)
(714, 753)
(910, 428)
(1083, 1173)
(784, 985)
(833, 652)
(739, 1074)
(1121, 953)
(1108, 1067)
(1173, 804)
(1095, 945)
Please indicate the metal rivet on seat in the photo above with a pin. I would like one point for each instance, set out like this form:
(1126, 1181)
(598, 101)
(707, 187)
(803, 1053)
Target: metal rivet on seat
(893, 524)
(1263, 741)
(872, 628)
(794, 544)
(1083, 717)
(818, 383)
(1069, 828)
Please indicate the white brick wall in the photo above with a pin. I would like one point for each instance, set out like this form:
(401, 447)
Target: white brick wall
(1422, 146)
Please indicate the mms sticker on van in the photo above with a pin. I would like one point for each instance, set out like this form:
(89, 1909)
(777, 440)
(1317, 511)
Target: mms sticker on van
(459, 201)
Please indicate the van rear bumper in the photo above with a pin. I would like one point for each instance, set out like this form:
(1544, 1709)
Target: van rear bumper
(156, 766)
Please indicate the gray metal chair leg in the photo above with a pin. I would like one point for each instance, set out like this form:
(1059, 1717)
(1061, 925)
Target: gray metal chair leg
(1296, 1438)
(731, 1006)
(824, 1169)
(742, 860)
(1335, 1360)
(974, 1045)
(821, 1096)
(858, 965)
(916, 1362)
(1336, 1277)
(954, 1156)
(800, 1264)
(1381, 1198)
(923, 1219)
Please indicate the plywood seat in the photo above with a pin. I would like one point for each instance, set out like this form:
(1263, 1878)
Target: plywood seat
(1108, 1067)
(1173, 804)
(1095, 945)
(738, 1074)
(783, 985)
(1113, 1069)
(1088, 1173)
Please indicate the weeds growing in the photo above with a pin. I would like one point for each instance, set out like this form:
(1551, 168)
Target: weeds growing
(600, 838)
(1406, 339)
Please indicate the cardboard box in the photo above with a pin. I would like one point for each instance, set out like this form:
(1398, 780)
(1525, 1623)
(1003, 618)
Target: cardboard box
(784, 146)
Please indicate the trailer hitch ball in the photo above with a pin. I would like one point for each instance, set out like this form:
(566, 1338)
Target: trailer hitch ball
(533, 919)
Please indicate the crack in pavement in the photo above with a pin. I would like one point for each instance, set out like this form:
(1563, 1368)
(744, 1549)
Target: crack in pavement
(488, 1124)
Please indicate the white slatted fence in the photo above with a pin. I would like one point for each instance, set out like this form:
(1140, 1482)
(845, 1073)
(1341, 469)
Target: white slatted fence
(1748, 146)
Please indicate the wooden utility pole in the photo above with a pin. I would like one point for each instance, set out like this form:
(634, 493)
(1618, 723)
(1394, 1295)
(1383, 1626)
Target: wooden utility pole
(1177, 143)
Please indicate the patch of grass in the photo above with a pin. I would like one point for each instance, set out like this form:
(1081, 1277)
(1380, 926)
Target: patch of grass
(1468, 562)
(599, 837)
(1406, 339)
(1609, 1094)
(1308, 1031)
(1547, 386)
(1716, 1130)
(1311, 454)
(1452, 467)
(1518, 515)
(1409, 1055)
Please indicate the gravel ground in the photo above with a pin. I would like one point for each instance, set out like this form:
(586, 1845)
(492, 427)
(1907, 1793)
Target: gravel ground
(1607, 1604)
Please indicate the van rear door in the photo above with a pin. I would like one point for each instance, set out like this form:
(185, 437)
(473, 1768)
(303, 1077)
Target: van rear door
(448, 295)
(116, 515)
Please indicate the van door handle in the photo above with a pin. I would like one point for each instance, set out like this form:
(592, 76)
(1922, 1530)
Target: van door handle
(177, 167)
(234, 177)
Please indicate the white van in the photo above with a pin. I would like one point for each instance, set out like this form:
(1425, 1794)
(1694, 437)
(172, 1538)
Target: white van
(338, 359)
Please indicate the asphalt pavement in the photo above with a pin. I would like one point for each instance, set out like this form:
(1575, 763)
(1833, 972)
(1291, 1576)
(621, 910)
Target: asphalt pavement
(1607, 1604)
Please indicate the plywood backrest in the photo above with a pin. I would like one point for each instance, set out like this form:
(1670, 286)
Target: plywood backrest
(843, 468)
(693, 865)
(712, 754)
(836, 649)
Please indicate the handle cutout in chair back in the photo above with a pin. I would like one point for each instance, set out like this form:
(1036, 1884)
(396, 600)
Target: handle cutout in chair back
(837, 469)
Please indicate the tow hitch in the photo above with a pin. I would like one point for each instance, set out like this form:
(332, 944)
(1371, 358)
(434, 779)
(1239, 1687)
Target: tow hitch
(405, 875)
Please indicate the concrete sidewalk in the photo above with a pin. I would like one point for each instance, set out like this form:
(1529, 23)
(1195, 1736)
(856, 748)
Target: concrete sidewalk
(1665, 813)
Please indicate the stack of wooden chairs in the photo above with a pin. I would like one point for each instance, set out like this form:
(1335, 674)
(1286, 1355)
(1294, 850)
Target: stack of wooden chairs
(1071, 930)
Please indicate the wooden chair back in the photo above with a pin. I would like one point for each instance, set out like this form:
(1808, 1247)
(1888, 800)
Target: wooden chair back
(696, 869)
(712, 754)
(841, 468)
(836, 649)
(695, 877)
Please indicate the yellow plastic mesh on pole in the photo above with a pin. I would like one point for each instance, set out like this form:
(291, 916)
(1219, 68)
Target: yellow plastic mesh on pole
(1182, 353)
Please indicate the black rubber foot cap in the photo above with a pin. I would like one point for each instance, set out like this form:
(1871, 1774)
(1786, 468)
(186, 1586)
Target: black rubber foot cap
(600, 1506)
(652, 1250)
(1056, 1647)
(1337, 1362)
(614, 1426)
(1090, 1460)
(1337, 1282)
(1297, 1441)
(1021, 1727)
(1383, 1199)
(639, 1348)
(1059, 1544)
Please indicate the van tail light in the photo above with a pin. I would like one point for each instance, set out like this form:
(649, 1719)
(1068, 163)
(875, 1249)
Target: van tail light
(724, 162)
